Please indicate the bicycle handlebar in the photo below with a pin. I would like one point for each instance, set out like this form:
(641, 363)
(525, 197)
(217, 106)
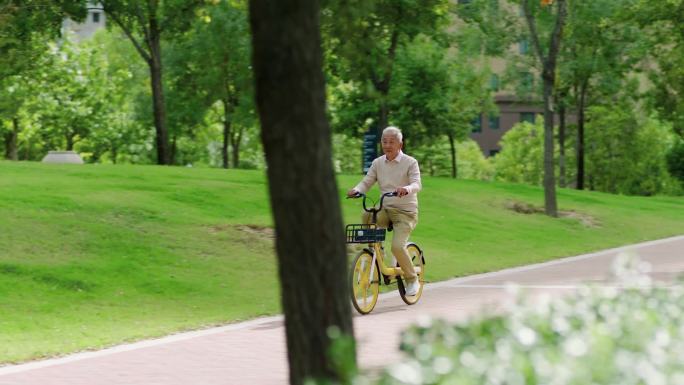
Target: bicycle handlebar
(382, 198)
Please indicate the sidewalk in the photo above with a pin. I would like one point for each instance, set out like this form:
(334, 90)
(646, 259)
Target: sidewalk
(254, 352)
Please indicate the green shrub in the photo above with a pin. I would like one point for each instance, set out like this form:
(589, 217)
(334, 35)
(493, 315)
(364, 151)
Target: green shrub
(521, 159)
(675, 160)
(626, 154)
(630, 333)
(435, 160)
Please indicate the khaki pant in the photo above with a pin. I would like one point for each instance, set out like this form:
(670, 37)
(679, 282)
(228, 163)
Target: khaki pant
(403, 223)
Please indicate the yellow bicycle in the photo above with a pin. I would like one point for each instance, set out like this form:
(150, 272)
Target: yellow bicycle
(369, 264)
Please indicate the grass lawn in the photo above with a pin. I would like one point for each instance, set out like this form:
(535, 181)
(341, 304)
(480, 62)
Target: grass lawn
(95, 255)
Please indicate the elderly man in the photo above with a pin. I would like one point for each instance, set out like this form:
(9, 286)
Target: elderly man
(396, 172)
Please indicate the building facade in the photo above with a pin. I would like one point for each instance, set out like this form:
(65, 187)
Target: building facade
(94, 21)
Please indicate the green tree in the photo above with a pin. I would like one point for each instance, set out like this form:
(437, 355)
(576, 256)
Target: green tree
(26, 26)
(14, 92)
(70, 95)
(662, 26)
(437, 94)
(145, 24)
(675, 161)
(547, 54)
(122, 135)
(600, 48)
(627, 154)
(211, 64)
(543, 31)
(521, 159)
(363, 38)
(435, 160)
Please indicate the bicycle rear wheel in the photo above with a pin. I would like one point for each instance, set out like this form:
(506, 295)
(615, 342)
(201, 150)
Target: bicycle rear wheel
(365, 288)
(418, 261)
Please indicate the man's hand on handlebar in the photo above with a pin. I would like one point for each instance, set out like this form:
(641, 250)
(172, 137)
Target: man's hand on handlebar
(401, 191)
(353, 194)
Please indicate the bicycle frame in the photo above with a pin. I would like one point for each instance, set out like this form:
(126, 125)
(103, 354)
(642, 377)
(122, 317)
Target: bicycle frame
(377, 249)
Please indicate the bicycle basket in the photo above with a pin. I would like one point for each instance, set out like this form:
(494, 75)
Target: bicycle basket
(364, 233)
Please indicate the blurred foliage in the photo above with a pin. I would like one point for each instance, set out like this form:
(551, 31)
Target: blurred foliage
(626, 154)
(625, 333)
(521, 158)
(675, 160)
(472, 164)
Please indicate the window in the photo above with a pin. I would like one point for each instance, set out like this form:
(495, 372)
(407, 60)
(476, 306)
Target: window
(493, 122)
(494, 82)
(477, 124)
(524, 46)
(527, 117)
(96, 17)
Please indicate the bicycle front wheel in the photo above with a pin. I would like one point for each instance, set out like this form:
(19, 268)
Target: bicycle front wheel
(365, 282)
(418, 260)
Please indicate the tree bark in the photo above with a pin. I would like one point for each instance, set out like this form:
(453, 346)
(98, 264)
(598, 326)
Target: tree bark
(226, 133)
(382, 85)
(312, 265)
(235, 140)
(158, 105)
(561, 145)
(454, 171)
(11, 139)
(69, 141)
(172, 150)
(580, 135)
(551, 205)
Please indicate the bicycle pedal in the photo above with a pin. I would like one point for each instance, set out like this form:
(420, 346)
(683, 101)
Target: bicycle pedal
(387, 279)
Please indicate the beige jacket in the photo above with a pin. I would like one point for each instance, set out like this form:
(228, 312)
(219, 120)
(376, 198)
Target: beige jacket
(403, 171)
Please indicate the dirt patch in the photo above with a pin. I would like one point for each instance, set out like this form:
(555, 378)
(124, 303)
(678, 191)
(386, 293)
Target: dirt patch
(260, 231)
(527, 208)
(585, 219)
(215, 229)
(523, 207)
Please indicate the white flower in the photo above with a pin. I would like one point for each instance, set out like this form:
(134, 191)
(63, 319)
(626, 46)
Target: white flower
(526, 336)
(575, 346)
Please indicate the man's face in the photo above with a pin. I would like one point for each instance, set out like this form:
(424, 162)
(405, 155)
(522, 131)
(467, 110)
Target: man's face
(390, 145)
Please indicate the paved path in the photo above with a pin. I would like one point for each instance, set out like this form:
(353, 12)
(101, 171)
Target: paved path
(254, 352)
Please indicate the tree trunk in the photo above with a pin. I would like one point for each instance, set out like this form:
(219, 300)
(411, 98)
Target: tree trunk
(550, 204)
(70, 141)
(158, 104)
(235, 141)
(312, 262)
(226, 133)
(454, 171)
(11, 139)
(561, 144)
(151, 32)
(580, 136)
(383, 116)
(383, 86)
(548, 62)
(172, 152)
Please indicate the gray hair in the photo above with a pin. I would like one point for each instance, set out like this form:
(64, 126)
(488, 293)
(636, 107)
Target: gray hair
(393, 131)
